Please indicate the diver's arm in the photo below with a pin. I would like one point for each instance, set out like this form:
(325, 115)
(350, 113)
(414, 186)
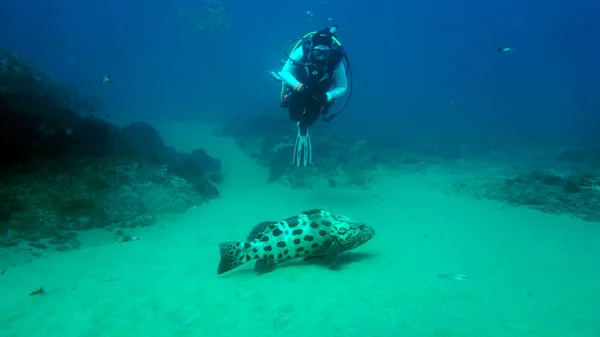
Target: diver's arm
(290, 67)
(341, 82)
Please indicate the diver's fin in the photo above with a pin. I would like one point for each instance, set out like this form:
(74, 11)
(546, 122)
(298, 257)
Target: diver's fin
(275, 75)
(302, 148)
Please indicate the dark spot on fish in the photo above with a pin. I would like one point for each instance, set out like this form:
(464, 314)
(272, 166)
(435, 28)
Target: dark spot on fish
(297, 231)
(279, 256)
(248, 258)
(255, 250)
(297, 255)
(314, 225)
(277, 232)
(292, 222)
(285, 252)
(272, 227)
(281, 244)
(326, 223)
(264, 239)
(322, 232)
(315, 245)
(256, 256)
(288, 257)
(306, 252)
(238, 244)
(309, 238)
(271, 257)
(246, 245)
(268, 248)
(259, 236)
(300, 249)
(297, 241)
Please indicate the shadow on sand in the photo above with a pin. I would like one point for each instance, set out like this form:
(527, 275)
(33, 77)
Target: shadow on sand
(338, 263)
(332, 263)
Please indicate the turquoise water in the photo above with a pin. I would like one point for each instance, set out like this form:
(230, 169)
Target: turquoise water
(526, 273)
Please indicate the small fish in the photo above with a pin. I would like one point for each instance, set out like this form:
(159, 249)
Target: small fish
(505, 49)
(39, 291)
(311, 234)
(106, 79)
(453, 276)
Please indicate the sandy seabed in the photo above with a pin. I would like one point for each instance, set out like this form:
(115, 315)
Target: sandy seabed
(528, 273)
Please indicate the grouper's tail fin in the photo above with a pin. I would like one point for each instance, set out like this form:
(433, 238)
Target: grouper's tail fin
(233, 255)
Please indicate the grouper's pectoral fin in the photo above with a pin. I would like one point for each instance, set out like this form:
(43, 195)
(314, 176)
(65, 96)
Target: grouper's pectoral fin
(329, 257)
(334, 254)
(263, 266)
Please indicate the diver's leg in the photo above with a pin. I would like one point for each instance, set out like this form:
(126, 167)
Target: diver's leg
(296, 109)
(314, 110)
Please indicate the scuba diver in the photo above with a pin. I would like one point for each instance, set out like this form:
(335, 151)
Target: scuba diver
(313, 77)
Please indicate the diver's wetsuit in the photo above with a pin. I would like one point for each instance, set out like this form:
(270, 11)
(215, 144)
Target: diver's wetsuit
(306, 106)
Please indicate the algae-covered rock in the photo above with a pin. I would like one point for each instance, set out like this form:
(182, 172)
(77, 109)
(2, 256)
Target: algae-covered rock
(65, 169)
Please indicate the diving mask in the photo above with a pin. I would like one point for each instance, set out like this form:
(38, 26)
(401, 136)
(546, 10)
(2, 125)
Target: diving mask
(321, 53)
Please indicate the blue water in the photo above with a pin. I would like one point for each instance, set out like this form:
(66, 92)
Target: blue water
(419, 66)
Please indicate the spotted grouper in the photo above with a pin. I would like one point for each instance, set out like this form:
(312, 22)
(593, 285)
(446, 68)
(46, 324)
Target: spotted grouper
(311, 234)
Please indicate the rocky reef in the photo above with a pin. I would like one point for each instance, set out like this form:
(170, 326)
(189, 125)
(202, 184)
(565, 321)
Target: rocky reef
(550, 191)
(571, 184)
(339, 160)
(270, 142)
(64, 170)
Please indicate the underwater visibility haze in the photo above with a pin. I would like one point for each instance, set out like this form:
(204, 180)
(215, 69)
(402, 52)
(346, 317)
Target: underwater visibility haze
(307, 168)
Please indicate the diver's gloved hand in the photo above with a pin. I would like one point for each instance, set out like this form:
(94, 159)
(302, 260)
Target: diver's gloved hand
(322, 98)
(300, 88)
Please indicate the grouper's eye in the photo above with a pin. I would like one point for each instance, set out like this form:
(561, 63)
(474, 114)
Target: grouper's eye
(362, 227)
